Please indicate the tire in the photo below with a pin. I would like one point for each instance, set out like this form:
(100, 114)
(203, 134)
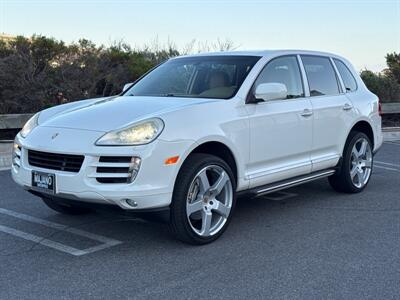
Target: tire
(194, 204)
(354, 172)
(64, 208)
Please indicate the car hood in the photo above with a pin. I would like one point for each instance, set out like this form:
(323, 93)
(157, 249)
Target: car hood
(113, 113)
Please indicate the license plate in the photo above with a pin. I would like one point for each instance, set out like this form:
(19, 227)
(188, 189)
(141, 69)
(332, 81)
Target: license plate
(43, 181)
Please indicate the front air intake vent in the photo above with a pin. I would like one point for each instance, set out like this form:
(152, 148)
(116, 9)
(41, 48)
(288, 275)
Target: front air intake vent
(117, 169)
(16, 161)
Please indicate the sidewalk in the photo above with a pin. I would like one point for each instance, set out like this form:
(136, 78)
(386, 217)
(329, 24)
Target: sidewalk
(389, 135)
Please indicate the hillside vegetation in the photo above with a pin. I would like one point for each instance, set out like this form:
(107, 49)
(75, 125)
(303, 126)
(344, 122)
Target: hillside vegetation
(40, 72)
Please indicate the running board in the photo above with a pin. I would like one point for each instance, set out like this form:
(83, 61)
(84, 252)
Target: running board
(284, 184)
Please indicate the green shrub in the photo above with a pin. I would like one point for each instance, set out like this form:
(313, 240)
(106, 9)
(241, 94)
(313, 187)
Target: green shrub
(384, 86)
(34, 71)
(39, 72)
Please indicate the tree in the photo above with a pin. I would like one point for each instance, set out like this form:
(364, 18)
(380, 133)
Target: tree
(387, 83)
(26, 72)
(33, 71)
(385, 87)
(393, 63)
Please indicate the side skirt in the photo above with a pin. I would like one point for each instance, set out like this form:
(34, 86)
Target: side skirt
(284, 184)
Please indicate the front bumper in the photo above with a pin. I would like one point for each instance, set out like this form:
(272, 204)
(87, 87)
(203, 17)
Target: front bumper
(152, 187)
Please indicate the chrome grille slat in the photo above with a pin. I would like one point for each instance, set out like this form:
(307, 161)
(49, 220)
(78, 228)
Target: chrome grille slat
(109, 175)
(113, 169)
(112, 165)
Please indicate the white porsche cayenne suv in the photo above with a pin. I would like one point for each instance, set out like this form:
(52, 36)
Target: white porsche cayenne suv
(196, 131)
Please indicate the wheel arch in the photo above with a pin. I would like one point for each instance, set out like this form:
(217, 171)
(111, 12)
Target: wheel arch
(360, 125)
(366, 128)
(220, 150)
(217, 148)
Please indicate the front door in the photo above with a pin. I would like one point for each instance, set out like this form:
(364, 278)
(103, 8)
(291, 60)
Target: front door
(280, 130)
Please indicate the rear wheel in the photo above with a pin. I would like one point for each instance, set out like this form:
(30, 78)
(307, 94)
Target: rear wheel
(65, 208)
(356, 168)
(203, 199)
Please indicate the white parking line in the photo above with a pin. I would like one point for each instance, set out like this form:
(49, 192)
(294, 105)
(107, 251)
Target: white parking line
(386, 168)
(42, 241)
(385, 163)
(396, 143)
(106, 242)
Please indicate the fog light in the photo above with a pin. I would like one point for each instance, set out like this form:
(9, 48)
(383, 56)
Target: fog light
(134, 168)
(131, 202)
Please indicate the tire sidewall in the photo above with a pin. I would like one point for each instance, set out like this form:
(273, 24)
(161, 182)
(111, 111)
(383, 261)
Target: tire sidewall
(189, 170)
(346, 167)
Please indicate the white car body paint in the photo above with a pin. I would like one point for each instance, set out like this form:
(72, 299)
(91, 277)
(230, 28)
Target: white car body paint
(270, 141)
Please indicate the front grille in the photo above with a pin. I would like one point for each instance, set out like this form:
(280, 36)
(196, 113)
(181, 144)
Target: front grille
(55, 161)
(117, 169)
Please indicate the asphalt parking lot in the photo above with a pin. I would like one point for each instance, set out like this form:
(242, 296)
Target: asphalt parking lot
(307, 242)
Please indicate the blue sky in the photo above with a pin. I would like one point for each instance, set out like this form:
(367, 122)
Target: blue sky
(363, 31)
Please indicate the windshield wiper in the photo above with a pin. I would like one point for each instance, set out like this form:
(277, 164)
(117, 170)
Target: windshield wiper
(162, 95)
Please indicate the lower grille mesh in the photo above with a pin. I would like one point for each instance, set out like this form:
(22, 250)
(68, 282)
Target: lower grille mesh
(55, 161)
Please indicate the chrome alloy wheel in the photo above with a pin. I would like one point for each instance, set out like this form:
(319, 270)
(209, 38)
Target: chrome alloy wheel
(361, 163)
(209, 200)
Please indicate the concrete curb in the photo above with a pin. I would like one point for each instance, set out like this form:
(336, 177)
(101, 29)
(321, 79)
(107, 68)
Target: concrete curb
(391, 135)
(5, 162)
(384, 129)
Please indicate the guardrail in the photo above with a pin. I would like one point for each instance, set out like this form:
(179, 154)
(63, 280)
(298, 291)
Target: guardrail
(391, 108)
(13, 121)
(10, 124)
(16, 121)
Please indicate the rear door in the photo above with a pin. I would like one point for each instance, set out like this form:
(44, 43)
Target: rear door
(331, 108)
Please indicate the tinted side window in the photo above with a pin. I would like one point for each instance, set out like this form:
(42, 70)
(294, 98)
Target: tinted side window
(348, 79)
(321, 75)
(283, 70)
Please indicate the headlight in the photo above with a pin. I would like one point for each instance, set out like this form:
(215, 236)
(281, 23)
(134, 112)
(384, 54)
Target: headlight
(28, 127)
(137, 134)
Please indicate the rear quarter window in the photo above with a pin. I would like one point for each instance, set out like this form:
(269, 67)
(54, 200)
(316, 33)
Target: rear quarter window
(348, 79)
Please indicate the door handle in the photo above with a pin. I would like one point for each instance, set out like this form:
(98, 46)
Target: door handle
(347, 106)
(306, 112)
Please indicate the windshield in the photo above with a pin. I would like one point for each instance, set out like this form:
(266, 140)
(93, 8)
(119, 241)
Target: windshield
(202, 77)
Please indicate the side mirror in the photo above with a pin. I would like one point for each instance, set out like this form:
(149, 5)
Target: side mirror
(270, 91)
(126, 86)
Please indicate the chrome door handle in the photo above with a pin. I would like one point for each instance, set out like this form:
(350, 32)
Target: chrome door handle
(347, 106)
(306, 112)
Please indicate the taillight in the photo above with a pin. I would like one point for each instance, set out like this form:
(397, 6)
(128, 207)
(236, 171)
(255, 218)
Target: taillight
(379, 107)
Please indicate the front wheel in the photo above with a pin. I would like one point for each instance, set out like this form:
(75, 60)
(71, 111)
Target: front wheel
(356, 168)
(203, 199)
